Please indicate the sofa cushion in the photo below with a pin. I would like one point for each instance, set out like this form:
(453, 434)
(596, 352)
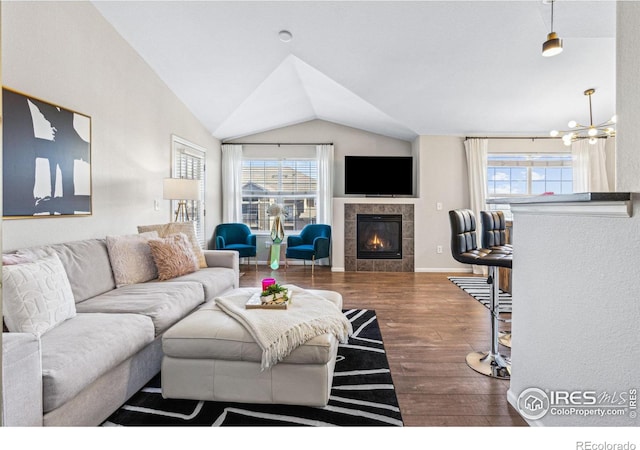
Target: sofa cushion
(80, 350)
(21, 380)
(86, 262)
(214, 280)
(131, 258)
(173, 256)
(164, 303)
(188, 228)
(37, 296)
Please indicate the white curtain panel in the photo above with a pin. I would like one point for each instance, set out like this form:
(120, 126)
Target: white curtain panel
(231, 183)
(589, 166)
(476, 151)
(325, 183)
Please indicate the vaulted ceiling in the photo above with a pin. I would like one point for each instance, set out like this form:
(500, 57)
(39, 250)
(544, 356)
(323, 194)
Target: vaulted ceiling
(397, 68)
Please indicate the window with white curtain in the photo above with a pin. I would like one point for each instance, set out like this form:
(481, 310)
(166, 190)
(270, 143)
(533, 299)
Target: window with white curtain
(189, 162)
(516, 175)
(290, 182)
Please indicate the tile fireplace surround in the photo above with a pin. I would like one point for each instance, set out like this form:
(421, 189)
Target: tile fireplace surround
(353, 264)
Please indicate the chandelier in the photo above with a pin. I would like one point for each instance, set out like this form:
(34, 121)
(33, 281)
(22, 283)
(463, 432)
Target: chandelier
(578, 132)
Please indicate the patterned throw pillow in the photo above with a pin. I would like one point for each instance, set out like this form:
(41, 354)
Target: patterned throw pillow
(36, 296)
(131, 259)
(173, 256)
(188, 228)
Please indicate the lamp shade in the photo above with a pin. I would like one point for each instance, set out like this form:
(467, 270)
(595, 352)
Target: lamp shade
(181, 189)
(552, 46)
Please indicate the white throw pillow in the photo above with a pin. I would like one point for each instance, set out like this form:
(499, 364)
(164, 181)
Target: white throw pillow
(36, 296)
(131, 259)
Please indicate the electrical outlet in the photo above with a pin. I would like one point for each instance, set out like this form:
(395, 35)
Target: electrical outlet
(439, 249)
(156, 205)
(439, 206)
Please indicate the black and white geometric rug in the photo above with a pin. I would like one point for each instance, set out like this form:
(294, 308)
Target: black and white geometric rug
(362, 394)
(478, 288)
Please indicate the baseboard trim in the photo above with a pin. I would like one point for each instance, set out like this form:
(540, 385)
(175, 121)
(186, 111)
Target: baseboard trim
(423, 270)
(442, 269)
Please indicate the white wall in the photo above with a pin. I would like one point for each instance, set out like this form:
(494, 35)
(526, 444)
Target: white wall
(443, 179)
(627, 97)
(67, 54)
(575, 310)
(575, 323)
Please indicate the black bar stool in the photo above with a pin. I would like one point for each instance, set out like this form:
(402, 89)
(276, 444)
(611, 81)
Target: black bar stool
(494, 237)
(465, 249)
(494, 231)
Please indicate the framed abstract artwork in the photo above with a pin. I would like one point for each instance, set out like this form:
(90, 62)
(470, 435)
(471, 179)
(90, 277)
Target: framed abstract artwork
(46, 159)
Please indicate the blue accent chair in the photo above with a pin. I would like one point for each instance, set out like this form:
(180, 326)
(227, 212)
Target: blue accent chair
(238, 237)
(311, 244)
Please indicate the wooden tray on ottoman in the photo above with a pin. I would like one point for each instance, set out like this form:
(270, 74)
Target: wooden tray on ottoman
(256, 303)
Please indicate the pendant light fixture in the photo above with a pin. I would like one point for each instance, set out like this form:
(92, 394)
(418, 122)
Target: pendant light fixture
(553, 45)
(592, 132)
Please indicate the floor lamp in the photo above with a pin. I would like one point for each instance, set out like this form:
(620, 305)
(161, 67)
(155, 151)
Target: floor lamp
(181, 189)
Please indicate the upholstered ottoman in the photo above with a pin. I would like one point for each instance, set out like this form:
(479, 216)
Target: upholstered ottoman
(211, 356)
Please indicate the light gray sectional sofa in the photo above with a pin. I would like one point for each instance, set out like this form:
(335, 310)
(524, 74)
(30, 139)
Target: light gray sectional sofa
(81, 370)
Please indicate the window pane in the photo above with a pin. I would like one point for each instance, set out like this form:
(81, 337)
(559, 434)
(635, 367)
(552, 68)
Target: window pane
(188, 163)
(519, 187)
(292, 183)
(538, 187)
(491, 186)
(538, 173)
(529, 174)
(502, 174)
(554, 186)
(502, 187)
(554, 173)
(519, 173)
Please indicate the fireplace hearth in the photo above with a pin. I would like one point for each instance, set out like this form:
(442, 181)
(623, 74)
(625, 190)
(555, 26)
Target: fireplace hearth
(379, 236)
(379, 252)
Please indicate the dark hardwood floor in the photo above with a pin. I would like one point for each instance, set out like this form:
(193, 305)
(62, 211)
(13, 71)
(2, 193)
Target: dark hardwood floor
(428, 326)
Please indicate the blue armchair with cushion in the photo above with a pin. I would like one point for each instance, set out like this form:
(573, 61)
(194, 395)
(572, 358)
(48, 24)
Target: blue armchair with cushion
(235, 236)
(310, 245)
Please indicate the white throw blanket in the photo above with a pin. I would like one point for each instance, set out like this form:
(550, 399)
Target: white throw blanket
(279, 331)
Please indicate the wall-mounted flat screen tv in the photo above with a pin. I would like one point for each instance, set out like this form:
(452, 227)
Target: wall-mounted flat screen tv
(378, 175)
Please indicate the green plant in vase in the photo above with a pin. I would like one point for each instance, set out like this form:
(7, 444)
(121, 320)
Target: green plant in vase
(275, 293)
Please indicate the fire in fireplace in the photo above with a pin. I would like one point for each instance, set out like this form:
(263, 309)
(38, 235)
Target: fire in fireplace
(379, 236)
